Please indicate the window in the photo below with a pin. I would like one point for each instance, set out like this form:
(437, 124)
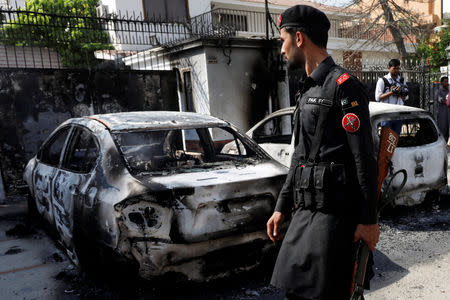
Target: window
(236, 22)
(415, 132)
(83, 152)
(180, 150)
(226, 143)
(165, 10)
(277, 130)
(51, 152)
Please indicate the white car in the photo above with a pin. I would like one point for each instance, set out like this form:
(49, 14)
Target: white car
(157, 191)
(421, 150)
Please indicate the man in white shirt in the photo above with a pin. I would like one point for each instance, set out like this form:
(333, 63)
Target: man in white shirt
(392, 89)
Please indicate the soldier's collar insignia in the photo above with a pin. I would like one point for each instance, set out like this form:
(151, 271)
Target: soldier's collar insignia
(350, 122)
(342, 78)
(354, 103)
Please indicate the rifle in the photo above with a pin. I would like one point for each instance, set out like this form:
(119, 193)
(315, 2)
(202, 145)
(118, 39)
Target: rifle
(388, 143)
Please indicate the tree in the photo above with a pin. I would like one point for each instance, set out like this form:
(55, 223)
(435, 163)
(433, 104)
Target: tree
(386, 22)
(433, 49)
(69, 27)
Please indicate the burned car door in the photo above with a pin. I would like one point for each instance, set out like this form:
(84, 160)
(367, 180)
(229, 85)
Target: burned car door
(275, 136)
(421, 152)
(77, 166)
(48, 158)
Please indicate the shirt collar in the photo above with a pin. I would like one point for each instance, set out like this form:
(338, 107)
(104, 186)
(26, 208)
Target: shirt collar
(390, 77)
(320, 73)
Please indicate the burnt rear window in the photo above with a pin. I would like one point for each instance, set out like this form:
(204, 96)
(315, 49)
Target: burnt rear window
(415, 132)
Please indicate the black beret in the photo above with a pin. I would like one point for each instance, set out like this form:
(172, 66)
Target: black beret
(304, 16)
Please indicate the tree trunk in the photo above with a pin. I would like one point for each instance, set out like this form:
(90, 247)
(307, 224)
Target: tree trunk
(396, 34)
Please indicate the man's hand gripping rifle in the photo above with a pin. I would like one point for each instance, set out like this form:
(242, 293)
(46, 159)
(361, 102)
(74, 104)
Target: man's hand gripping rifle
(388, 143)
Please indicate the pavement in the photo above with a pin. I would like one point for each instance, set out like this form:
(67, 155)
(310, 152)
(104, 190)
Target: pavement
(29, 258)
(34, 266)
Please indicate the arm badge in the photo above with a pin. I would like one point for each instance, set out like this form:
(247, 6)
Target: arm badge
(350, 122)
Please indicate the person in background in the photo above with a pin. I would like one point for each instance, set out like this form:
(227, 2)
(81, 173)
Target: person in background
(392, 89)
(443, 115)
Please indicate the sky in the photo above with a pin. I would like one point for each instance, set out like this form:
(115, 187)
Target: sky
(446, 3)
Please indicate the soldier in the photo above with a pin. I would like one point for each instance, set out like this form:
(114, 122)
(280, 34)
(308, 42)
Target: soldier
(331, 187)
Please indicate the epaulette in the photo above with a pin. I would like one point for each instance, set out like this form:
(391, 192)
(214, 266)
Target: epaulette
(344, 77)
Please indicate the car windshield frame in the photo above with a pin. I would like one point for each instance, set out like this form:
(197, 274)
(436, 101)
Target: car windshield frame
(191, 162)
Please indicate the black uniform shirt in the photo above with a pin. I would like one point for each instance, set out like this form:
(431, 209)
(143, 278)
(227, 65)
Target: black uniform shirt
(331, 85)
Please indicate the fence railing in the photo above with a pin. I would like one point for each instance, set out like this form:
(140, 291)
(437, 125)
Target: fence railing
(32, 38)
(42, 39)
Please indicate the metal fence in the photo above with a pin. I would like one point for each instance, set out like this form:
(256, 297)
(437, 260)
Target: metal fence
(415, 73)
(33, 38)
(421, 82)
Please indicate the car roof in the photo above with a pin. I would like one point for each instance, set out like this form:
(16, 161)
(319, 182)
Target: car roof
(375, 109)
(137, 120)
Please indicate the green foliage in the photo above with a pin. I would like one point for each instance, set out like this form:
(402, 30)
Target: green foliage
(433, 49)
(70, 27)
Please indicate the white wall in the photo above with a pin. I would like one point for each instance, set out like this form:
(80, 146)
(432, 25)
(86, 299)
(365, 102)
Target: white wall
(130, 6)
(124, 6)
(198, 7)
(195, 62)
(111, 5)
(230, 85)
(12, 3)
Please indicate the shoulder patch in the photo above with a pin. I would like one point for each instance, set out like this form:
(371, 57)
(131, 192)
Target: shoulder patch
(342, 78)
(350, 122)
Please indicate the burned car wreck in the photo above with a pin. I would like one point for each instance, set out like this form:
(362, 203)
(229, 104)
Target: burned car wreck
(421, 149)
(159, 190)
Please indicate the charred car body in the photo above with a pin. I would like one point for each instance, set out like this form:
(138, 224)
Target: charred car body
(159, 189)
(421, 149)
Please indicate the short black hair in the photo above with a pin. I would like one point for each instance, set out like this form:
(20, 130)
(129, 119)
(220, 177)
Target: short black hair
(394, 62)
(443, 78)
(318, 38)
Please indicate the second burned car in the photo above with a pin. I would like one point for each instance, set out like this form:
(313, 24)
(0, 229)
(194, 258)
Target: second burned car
(421, 149)
(159, 190)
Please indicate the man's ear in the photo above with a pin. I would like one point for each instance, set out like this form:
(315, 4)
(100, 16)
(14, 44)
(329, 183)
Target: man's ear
(299, 39)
